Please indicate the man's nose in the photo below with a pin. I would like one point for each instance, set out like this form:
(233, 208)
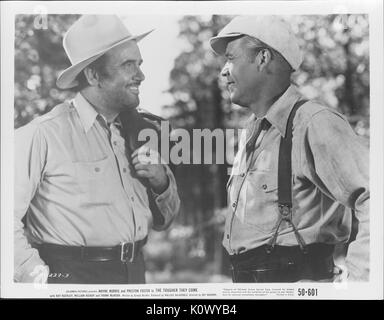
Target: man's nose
(225, 71)
(139, 74)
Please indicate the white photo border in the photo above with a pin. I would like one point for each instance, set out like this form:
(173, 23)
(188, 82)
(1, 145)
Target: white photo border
(370, 290)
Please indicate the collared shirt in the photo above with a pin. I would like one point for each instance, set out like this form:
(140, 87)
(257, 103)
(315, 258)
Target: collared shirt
(73, 178)
(330, 176)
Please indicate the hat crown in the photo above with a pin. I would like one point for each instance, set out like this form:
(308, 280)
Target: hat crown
(270, 29)
(92, 34)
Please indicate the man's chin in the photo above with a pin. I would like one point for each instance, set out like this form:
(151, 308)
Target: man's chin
(235, 100)
(238, 102)
(132, 105)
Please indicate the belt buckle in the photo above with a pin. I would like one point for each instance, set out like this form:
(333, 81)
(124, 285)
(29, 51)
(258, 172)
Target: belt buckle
(122, 252)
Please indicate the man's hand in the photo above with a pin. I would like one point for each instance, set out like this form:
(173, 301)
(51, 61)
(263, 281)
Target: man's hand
(147, 164)
(39, 275)
(340, 274)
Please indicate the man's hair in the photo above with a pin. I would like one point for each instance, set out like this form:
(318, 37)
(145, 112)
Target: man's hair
(253, 47)
(99, 66)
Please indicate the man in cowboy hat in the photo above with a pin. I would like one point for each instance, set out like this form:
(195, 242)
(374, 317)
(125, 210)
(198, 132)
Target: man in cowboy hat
(288, 195)
(88, 197)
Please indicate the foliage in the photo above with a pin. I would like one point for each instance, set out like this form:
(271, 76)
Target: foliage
(336, 64)
(39, 57)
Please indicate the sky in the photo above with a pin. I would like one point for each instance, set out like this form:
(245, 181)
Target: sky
(159, 50)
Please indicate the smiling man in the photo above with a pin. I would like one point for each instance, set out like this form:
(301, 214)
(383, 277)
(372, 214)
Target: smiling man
(88, 199)
(298, 174)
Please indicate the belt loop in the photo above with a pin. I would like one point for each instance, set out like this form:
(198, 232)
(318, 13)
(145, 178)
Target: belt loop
(133, 253)
(122, 251)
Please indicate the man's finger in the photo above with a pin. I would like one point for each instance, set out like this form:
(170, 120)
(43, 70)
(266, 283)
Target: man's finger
(143, 158)
(141, 166)
(40, 274)
(143, 149)
(138, 159)
(143, 174)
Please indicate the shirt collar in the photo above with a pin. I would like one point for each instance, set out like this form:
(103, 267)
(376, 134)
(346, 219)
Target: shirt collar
(88, 115)
(85, 111)
(279, 112)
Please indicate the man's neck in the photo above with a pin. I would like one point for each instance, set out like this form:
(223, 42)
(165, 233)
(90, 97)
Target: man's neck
(109, 115)
(261, 107)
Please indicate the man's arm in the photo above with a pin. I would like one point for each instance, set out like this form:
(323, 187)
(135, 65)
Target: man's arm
(164, 200)
(341, 170)
(30, 155)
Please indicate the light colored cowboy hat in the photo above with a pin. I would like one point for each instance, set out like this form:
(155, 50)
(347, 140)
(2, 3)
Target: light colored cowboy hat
(270, 29)
(88, 39)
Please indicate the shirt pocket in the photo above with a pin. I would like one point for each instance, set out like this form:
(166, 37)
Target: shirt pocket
(261, 207)
(94, 179)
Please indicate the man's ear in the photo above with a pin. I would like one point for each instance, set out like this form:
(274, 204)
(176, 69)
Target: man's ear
(91, 76)
(264, 58)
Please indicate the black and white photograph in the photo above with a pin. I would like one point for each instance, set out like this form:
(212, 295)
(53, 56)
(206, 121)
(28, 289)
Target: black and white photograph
(197, 150)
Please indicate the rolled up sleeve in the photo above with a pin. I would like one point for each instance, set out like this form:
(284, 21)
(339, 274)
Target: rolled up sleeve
(341, 170)
(30, 154)
(167, 203)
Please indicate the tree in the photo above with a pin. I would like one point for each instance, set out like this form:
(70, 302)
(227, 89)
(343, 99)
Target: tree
(199, 104)
(336, 64)
(39, 57)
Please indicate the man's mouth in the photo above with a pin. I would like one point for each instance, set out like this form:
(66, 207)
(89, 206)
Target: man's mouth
(230, 85)
(134, 88)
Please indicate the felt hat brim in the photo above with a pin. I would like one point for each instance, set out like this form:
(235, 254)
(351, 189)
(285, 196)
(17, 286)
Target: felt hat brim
(67, 78)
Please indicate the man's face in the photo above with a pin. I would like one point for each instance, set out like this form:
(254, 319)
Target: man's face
(241, 73)
(119, 89)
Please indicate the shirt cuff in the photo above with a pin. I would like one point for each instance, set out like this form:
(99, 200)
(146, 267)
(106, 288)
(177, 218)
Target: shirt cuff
(159, 197)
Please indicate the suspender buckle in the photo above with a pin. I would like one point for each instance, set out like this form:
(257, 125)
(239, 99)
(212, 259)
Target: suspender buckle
(285, 211)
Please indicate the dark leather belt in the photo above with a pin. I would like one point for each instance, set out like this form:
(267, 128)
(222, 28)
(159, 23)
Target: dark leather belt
(125, 252)
(283, 264)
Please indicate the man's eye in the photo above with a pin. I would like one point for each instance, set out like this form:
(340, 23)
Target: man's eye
(128, 64)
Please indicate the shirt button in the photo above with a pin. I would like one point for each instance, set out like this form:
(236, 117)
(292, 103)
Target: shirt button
(97, 169)
(132, 199)
(139, 228)
(115, 143)
(124, 169)
(234, 204)
(264, 186)
(242, 175)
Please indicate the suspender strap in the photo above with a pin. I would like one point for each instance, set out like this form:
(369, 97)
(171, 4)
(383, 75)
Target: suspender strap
(285, 181)
(285, 161)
